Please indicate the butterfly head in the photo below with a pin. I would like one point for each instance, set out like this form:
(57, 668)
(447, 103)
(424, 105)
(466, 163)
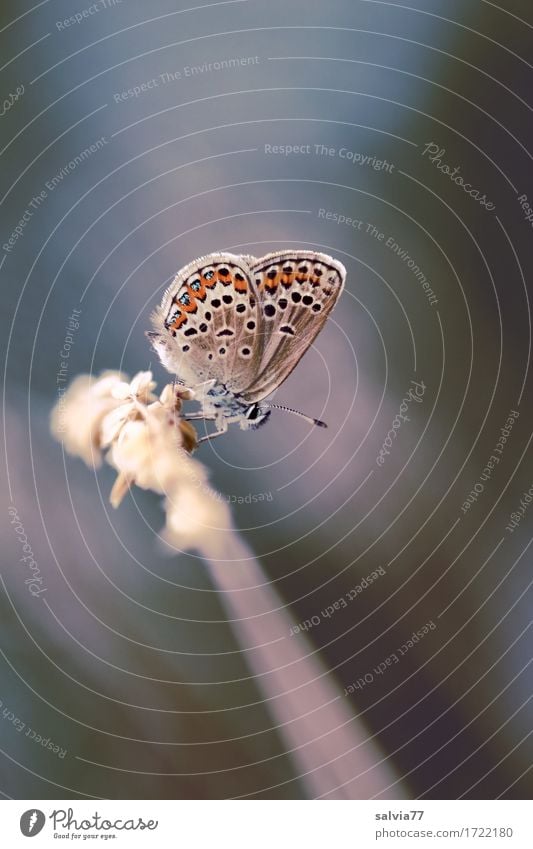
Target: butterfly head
(255, 415)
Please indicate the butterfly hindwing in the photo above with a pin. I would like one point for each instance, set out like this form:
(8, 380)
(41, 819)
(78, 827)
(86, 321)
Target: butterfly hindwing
(297, 291)
(207, 325)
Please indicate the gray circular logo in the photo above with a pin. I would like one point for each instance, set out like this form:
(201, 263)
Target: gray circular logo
(31, 822)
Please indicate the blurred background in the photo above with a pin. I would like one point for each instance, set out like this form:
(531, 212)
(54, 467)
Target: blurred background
(136, 137)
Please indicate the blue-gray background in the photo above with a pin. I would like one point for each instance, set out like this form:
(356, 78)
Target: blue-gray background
(183, 171)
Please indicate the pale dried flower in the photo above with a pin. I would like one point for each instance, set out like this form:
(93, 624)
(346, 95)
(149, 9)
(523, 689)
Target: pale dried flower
(78, 415)
(149, 443)
(138, 389)
(131, 396)
(150, 453)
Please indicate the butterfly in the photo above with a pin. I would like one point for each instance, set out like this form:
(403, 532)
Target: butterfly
(233, 327)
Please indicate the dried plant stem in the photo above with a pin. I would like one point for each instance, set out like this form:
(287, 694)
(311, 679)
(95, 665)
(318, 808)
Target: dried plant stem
(149, 444)
(330, 746)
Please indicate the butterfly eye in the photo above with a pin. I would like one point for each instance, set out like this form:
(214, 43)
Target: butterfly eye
(252, 412)
(195, 285)
(208, 274)
(184, 299)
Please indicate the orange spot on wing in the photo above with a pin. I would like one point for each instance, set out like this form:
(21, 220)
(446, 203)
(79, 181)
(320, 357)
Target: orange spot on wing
(178, 321)
(199, 295)
(272, 284)
(226, 281)
(289, 279)
(307, 277)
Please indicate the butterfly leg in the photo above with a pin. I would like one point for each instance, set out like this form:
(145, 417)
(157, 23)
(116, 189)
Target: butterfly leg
(223, 427)
(211, 436)
(191, 417)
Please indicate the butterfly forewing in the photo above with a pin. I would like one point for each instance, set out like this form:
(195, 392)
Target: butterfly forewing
(208, 322)
(297, 291)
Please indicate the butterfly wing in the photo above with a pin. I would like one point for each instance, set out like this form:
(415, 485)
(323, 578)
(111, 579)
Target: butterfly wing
(297, 291)
(206, 326)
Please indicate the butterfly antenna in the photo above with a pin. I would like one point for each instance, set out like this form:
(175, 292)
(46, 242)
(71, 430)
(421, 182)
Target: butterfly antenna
(310, 419)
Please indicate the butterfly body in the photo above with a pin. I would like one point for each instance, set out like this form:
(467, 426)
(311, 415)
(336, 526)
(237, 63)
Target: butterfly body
(224, 407)
(234, 327)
